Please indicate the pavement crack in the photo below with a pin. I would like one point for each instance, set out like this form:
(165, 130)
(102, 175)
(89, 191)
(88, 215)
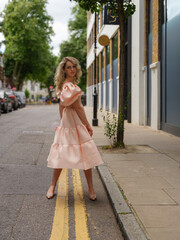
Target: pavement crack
(11, 237)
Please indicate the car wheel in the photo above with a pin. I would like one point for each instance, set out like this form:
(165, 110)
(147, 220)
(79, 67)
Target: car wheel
(6, 110)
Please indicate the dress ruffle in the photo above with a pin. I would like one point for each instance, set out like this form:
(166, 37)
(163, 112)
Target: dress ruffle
(71, 136)
(69, 94)
(76, 156)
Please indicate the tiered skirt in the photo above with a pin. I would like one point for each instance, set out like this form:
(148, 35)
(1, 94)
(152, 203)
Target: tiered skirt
(73, 147)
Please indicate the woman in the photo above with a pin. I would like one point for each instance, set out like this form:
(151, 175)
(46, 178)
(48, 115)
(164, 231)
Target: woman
(73, 146)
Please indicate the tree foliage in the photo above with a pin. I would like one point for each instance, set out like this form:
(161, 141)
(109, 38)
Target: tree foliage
(27, 30)
(49, 80)
(76, 45)
(95, 6)
(123, 9)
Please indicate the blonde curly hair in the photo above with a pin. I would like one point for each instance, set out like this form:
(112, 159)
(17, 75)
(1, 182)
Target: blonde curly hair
(60, 75)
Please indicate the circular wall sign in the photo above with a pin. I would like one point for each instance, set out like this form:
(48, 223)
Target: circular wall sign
(103, 40)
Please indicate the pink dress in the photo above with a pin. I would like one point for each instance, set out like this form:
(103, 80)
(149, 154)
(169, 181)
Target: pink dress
(73, 147)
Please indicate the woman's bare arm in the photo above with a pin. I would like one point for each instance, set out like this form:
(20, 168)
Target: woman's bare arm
(61, 107)
(78, 107)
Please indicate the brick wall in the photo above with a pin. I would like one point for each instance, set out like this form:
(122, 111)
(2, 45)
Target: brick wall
(145, 32)
(156, 31)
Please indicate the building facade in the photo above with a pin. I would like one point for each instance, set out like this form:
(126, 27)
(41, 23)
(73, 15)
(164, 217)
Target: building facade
(36, 92)
(152, 65)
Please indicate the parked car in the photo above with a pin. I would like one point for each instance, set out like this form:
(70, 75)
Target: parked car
(5, 100)
(13, 98)
(22, 97)
(19, 101)
(54, 100)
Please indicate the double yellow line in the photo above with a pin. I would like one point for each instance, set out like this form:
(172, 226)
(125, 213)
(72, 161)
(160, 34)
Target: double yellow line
(60, 227)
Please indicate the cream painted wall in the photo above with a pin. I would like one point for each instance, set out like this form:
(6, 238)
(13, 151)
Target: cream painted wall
(110, 31)
(27, 85)
(137, 62)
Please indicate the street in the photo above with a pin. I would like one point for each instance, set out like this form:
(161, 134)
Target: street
(25, 214)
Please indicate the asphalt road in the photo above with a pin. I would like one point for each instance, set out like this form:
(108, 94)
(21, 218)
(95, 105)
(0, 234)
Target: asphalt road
(25, 214)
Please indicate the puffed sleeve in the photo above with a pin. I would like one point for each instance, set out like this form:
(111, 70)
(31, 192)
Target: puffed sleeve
(69, 94)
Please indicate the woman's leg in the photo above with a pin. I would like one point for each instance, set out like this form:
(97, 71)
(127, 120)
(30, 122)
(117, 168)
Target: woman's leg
(56, 173)
(88, 174)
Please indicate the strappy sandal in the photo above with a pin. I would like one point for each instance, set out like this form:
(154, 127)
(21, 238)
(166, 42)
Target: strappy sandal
(50, 195)
(92, 197)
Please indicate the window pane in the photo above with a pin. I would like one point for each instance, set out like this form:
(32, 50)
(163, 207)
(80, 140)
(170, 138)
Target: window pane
(172, 63)
(107, 55)
(102, 59)
(115, 47)
(97, 67)
(173, 9)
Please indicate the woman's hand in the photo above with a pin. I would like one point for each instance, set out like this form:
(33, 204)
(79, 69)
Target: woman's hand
(89, 130)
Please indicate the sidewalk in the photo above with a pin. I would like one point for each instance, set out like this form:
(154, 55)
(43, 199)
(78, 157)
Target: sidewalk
(148, 172)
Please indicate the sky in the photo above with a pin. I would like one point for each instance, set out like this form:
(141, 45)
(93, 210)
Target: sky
(60, 11)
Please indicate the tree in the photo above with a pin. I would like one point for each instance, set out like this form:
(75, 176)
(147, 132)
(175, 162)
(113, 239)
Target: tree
(76, 45)
(27, 31)
(27, 93)
(123, 9)
(49, 80)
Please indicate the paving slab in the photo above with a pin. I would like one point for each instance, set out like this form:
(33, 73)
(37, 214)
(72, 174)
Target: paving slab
(159, 216)
(147, 182)
(174, 193)
(164, 233)
(173, 179)
(144, 196)
(125, 168)
(174, 156)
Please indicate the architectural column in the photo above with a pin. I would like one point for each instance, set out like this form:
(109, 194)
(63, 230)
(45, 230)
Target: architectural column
(144, 68)
(117, 79)
(138, 78)
(111, 77)
(144, 95)
(104, 83)
(99, 93)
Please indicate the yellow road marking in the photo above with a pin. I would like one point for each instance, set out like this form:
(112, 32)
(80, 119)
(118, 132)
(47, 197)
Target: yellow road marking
(79, 208)
(60, 228)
